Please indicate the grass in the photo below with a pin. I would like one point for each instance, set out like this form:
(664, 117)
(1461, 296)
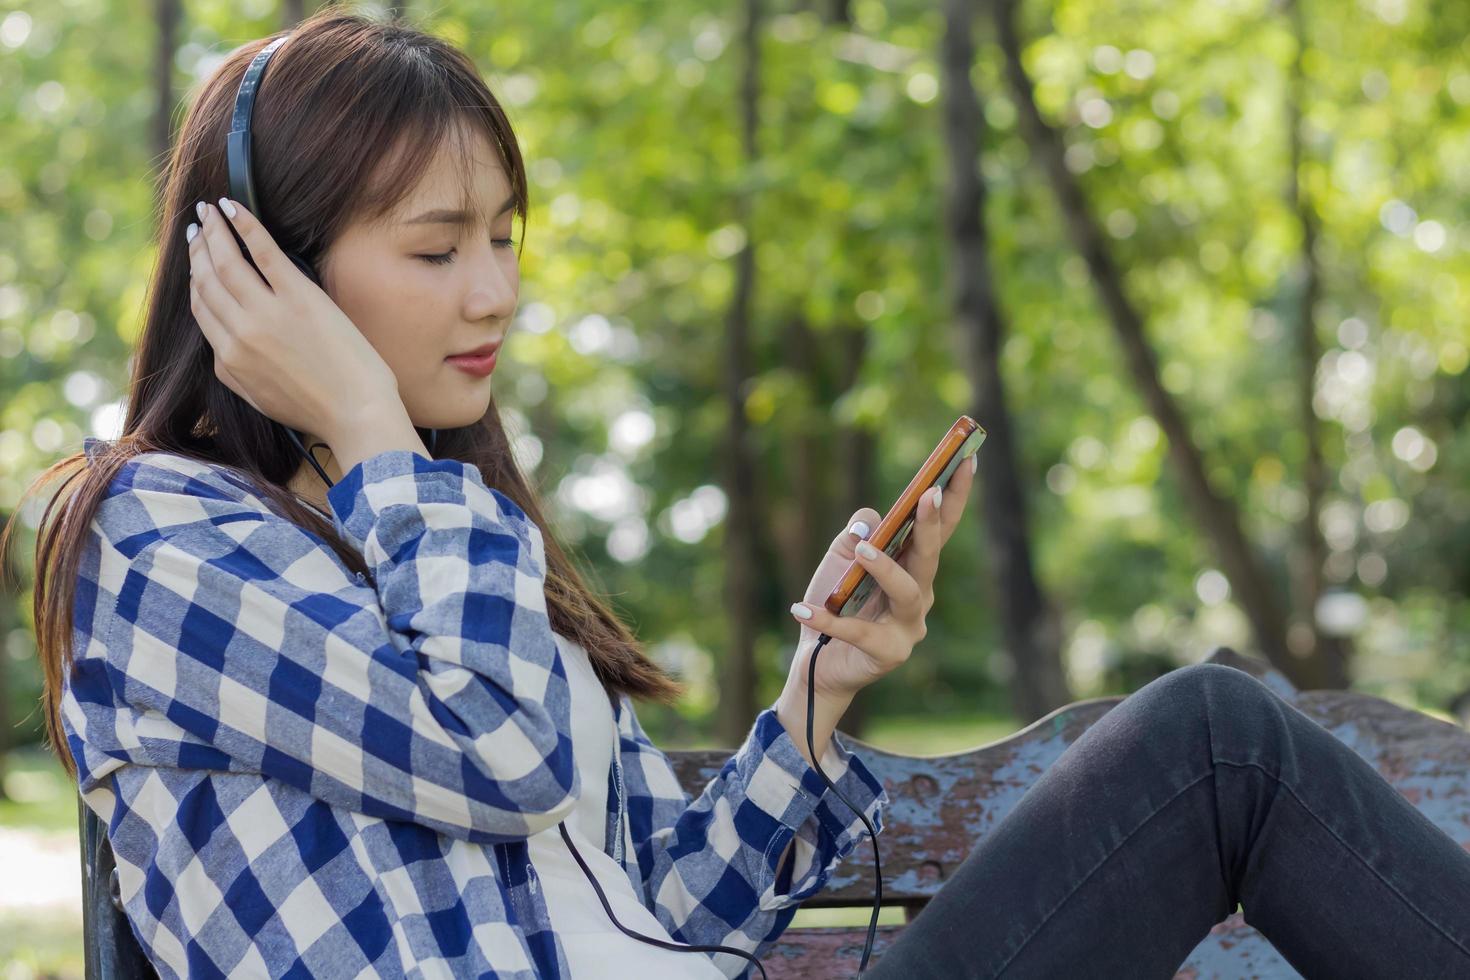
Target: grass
(38, 792)
(852, 918)
(37, 942)
(39, 947)
(937, 734)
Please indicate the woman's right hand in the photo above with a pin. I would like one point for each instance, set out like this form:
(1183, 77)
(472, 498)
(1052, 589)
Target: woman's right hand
(280, 343)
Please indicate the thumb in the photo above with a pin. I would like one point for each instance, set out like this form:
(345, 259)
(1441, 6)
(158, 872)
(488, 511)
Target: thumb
(858, 527)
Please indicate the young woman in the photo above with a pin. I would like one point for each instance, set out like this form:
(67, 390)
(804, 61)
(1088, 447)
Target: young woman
(366, 730)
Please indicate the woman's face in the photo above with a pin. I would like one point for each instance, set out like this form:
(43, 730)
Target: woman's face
(421, 287)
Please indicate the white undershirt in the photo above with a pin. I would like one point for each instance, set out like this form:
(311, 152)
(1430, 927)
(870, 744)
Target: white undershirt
(594, 946)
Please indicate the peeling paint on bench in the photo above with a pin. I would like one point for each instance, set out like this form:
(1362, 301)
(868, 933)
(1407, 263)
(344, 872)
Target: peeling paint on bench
(943, 805)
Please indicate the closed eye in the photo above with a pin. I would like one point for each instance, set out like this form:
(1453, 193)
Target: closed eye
(444, 258)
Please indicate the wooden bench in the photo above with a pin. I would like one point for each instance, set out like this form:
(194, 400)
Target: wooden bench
(943, 805)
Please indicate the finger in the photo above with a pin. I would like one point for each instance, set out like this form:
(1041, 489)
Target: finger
(215, 334)
(264, 251)
(957, 496)
(230, 267)
(922, 557)
(846, 538)
(228, 380)
(905, 597)
(874, 639)
(218, 342)
(207, 294)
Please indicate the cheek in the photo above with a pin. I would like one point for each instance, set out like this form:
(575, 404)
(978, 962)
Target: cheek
(397, 312)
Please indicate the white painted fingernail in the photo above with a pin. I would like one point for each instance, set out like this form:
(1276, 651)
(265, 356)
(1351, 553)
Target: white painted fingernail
(190, 232)
(938, 496)
(867, 550)
(226, 206)
(859, 529)
(800, 611)
(974, 462)
(199, 210)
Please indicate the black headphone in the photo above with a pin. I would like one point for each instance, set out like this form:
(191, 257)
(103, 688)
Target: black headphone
(242, 189)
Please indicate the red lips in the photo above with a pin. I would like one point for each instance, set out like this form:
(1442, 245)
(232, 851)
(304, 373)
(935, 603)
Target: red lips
(483, 350)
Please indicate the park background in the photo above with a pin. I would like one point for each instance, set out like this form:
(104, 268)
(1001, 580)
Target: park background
(1199, 267)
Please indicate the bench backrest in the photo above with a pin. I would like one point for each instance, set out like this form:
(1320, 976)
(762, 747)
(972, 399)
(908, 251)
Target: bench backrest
(943, 805)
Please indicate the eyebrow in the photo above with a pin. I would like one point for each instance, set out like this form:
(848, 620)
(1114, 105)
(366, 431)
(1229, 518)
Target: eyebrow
(450, 216)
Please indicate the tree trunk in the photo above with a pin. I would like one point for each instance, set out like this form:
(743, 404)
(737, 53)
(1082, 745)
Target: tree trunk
(163, 87)
(1250, 585)
(805, 537)
(1306, 636)
(859, 487)
(1031, 640)
(742, 546)
(830, 478)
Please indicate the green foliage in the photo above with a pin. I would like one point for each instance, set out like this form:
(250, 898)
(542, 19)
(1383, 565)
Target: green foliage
(1175, 117)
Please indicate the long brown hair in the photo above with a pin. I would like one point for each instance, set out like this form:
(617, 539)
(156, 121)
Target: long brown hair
(351, 110)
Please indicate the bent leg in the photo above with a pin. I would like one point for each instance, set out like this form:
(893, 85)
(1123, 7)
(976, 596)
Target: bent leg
(1201, 790)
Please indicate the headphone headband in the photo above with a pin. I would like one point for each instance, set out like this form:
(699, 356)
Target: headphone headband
(239, 157)
(237, 147)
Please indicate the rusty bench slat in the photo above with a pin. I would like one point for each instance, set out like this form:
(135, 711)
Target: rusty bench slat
(810, 952)
(941, 805)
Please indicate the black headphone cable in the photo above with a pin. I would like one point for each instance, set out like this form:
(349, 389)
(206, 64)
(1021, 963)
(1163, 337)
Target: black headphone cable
(716, 948)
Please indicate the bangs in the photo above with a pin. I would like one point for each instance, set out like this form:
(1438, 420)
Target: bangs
(416, 145)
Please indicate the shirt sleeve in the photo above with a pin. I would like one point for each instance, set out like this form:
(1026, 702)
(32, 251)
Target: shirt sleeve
(433, 694)
(710, 866)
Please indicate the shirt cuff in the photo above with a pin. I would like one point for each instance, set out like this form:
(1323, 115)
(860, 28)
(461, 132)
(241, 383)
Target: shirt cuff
(388, 499)
(825, 828)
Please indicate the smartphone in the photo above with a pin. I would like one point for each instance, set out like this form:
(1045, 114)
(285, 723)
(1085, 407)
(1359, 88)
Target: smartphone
(960, 443)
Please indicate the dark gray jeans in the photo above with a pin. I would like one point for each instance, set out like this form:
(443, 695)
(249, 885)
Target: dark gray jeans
(1200, 791)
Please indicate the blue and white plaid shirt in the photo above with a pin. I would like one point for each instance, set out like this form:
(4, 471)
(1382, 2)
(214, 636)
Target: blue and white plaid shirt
(304, 773)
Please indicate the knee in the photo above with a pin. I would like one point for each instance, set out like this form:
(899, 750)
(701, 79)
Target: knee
(1191, 694)
(1215, 677)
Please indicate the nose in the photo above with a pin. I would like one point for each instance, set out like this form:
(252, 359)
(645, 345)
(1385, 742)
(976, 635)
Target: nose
(494, 285)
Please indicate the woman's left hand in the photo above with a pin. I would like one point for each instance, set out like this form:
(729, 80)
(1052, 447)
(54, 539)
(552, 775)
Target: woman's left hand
(881, 635)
